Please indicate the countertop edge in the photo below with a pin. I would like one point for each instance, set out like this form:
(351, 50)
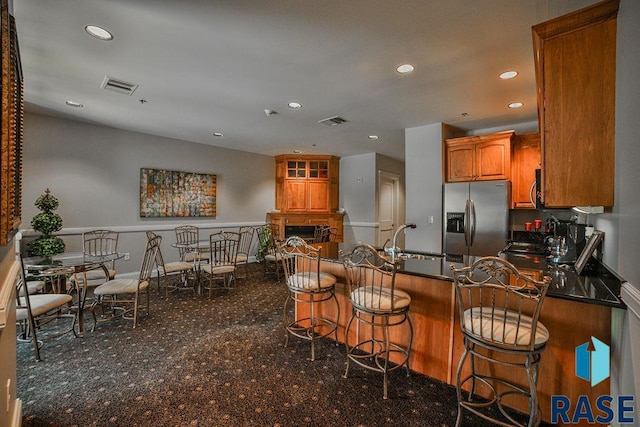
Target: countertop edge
(585, 300)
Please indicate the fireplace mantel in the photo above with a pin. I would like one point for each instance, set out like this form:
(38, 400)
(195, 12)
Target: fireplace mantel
(333, 219)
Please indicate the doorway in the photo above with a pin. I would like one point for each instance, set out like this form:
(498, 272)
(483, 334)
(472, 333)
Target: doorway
(388, 206)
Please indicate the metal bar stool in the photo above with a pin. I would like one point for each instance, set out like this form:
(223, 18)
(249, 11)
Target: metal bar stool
(307, 285)
(499, 309)
(376, 302)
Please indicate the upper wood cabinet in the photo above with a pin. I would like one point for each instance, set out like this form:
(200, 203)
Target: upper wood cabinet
(525, 159)
(307, 183)
(478, 158)
(575, 61)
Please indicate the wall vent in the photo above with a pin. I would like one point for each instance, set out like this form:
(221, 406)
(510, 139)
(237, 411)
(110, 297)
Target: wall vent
(333, 121)
(117, 85)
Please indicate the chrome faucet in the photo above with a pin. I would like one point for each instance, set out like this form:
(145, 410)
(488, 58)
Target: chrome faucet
(394, 248)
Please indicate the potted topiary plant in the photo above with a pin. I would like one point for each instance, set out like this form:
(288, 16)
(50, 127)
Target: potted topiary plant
(46, 222)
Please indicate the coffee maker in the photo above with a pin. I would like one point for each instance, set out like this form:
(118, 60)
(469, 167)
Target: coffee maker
(567, 242)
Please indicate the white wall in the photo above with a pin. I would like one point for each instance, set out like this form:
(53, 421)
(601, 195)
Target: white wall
(94, 171)
(622, 225)
(357, 197)
(423, 165)
(625, 218)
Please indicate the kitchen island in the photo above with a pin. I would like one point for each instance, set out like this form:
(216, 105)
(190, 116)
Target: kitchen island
(576, 308)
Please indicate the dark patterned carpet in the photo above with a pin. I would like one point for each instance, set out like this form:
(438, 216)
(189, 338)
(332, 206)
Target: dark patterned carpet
(197, 361)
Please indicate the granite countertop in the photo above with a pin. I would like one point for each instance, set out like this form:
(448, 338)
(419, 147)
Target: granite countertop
(597, 285)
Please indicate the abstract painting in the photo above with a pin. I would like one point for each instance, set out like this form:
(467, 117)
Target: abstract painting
(165, 193)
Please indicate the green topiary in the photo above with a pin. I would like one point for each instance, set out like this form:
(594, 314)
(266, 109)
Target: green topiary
(46, 222)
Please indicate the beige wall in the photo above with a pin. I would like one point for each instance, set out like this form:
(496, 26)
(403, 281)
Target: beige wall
(94, 171)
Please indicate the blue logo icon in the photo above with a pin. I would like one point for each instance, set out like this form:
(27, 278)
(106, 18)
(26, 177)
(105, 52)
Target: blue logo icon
(592, 363)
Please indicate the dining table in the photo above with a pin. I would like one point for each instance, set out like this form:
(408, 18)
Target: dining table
(59, 267)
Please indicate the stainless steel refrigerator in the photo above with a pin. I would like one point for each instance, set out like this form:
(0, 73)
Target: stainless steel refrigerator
(476, 217)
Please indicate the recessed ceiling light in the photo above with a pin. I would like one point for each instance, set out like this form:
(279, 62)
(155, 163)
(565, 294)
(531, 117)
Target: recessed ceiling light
(297, 151)
(373, 136)
(516, 105)
(218, 134)
(508, 75)
(74, 104)
(404, 68)
(295, 105)
(98, 32)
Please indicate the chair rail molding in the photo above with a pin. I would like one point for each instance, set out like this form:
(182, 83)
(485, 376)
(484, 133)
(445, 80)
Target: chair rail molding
(71, 231)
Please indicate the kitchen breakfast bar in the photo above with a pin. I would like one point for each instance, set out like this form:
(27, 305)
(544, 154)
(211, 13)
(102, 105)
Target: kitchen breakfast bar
(576, 308)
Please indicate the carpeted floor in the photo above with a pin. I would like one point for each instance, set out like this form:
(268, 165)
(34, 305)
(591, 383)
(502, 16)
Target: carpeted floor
(197, 361)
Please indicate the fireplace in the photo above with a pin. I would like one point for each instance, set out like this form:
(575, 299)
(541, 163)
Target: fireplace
(304, 231)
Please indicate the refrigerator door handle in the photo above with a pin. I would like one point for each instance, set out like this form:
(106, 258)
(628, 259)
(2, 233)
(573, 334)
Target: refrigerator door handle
(466, 222)
(472, 232)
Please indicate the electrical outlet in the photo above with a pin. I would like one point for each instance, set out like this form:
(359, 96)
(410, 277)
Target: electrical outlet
(127, 256)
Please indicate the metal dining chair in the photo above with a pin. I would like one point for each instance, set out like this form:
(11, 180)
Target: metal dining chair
(269, 238)
(187, 237)
(167, 271)
(244, 249)
(122, 296)
(220, 271)
(35, 311)
(97, 243)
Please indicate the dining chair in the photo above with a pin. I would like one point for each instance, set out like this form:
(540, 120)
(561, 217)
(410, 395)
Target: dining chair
(307, 286)
(96, 243)
(122, 296)
(244, 249)
(100, 242)
(382, 308)
(220, 271)
(321, 234)
(270, 249)
(166, 272)
(499, 311)
(187, 237)
(35, 311)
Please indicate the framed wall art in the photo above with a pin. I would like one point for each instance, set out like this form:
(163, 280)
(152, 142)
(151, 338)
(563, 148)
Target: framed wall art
(11, 122)
(165, 193)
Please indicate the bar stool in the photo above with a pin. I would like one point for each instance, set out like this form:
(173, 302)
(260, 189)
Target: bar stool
(307, 285)
(376, 302)
(499, 309)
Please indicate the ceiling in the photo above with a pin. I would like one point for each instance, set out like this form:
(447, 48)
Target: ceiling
(206, 66)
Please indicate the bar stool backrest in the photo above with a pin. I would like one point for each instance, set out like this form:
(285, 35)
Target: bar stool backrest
(371, 277)
(501, 305)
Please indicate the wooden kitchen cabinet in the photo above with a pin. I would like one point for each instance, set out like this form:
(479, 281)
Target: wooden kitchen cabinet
(575, 61)
(525, 159)
(307, 183)
(478, 158)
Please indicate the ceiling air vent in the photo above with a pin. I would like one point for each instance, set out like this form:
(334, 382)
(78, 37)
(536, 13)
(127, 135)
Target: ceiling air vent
(333, 121)
(118, 85)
